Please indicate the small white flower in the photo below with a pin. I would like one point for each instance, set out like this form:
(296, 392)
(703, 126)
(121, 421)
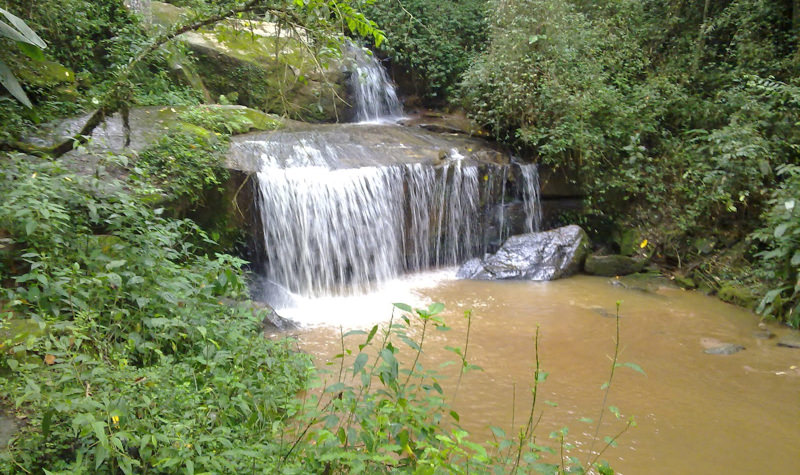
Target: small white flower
(789, 205)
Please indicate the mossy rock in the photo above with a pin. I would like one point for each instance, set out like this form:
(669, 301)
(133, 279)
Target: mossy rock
(613, 265)
(736, 294)
(167, 15)
(685, 282)
(42, 77)
(268, 68)
(627, 240)
(17, 332)
(274, 74)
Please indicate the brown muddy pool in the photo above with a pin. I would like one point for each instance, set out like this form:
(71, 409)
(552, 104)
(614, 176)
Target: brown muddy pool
(695, 412)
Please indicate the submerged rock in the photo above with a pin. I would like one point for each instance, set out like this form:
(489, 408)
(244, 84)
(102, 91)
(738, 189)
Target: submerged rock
(546, 255)
(724, 349)
(715, 347)
(610, 266)
(790, 340)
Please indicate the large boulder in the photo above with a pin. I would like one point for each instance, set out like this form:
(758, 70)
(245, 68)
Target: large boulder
(260, 65)
(546, 255)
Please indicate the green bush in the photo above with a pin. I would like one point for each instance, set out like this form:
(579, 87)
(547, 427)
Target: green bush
(433, 41)
(781, 258)
(143, 367)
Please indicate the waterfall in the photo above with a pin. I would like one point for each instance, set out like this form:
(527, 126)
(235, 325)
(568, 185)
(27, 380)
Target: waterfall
(374, 95)
(530, 197)
(332, 230)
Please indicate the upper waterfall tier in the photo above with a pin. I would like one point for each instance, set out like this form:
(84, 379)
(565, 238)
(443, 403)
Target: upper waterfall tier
(374, 95)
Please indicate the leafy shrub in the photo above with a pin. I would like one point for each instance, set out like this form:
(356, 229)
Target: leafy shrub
(781, 259)
(434, 41)
(221, 121)
(184, 162)
(142, 368)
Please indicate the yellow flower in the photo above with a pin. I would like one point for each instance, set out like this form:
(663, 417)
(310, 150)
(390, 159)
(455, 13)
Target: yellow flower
(643, 244)
(115, 420)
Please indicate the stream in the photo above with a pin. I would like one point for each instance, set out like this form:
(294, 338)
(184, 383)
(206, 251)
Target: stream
(357, 216)
(695, 412)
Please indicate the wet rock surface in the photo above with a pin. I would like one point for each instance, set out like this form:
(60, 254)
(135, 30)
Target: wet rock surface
(612, 265)
(357, 145)
(790, 340)
(546, 255)
(712, 346)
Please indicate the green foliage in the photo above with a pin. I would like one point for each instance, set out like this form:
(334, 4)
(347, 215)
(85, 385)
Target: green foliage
(673, 116)
(221, 121)
(28, 41)
(142, 367)
(781, 258)
(184, 162)
(433, 41)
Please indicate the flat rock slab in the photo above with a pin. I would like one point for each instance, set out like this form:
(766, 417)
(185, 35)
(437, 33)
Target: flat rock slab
(613, 265)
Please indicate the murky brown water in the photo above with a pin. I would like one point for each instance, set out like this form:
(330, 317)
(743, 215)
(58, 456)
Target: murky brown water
(696, 413)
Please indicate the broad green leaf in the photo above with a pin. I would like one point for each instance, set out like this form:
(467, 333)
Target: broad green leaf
(354, 332)
(404, 307)
(632, 366)
(361, 361)
(28, 35)
(498, 432)
(435, 308)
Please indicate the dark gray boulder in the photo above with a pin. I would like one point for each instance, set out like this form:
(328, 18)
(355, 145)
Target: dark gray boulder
(546, 255)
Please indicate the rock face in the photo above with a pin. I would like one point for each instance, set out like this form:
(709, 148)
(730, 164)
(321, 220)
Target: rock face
(546, 255)
(259, 65)
(613, 265)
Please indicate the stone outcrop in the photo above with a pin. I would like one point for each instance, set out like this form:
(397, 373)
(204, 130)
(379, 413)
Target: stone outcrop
(259, 65)
(613, 265)
(547, 255)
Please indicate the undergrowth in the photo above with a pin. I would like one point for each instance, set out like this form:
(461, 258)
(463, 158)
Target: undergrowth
(150, 360)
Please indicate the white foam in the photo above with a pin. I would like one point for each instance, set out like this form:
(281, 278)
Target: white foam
(363, 311)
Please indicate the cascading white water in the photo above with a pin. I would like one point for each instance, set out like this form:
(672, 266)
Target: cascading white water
(374, 95)
(530, 197)
(339, 231)
(346, 207)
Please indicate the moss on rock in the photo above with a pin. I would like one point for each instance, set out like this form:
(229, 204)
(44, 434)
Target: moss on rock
(613, 265)
(736, 294)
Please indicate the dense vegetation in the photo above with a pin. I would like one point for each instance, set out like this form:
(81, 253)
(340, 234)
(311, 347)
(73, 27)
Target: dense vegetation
(679, 120)
(127, 343)
(431, 43)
